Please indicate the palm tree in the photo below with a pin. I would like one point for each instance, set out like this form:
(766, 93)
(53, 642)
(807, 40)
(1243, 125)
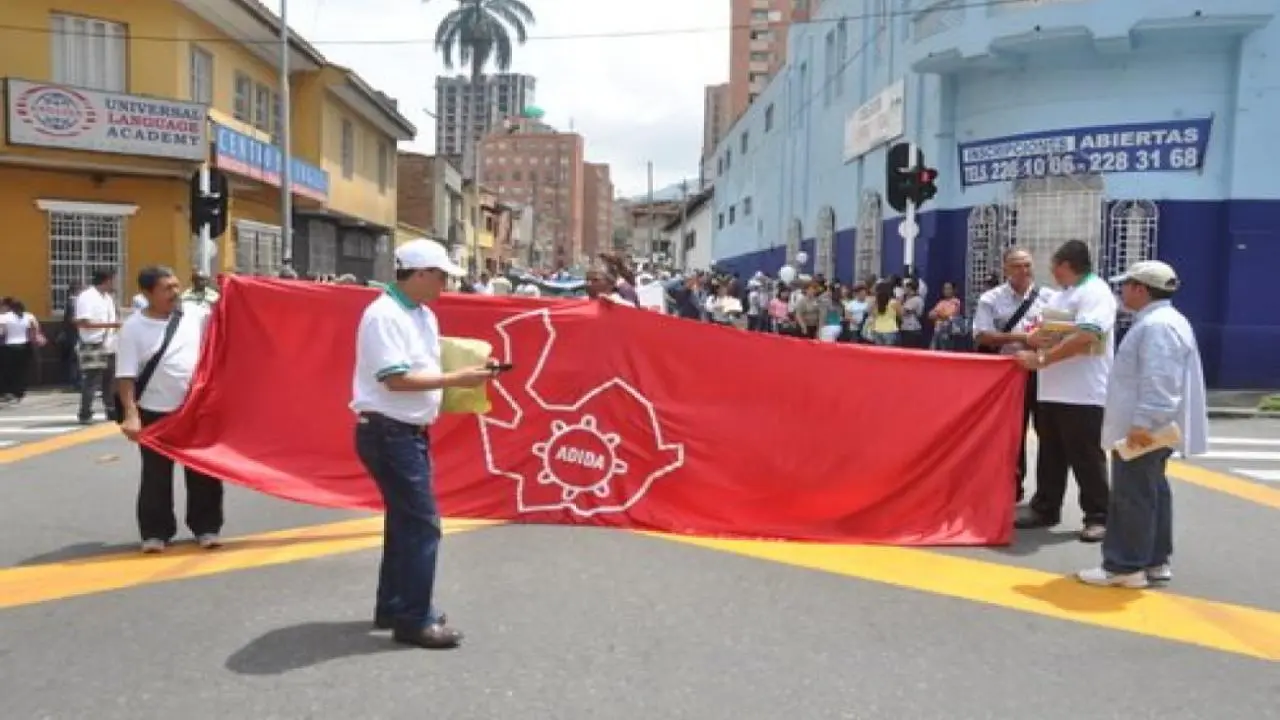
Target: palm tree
(480, 31)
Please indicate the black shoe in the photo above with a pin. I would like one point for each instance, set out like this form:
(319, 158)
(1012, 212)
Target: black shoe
(435, 636)
(1029, 519)
(387, 622)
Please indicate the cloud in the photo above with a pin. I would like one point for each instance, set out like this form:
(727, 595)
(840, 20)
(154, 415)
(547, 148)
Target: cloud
(634, 99)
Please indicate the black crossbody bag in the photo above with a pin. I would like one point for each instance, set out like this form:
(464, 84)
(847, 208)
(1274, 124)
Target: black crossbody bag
(1014, 319)
(144, 377)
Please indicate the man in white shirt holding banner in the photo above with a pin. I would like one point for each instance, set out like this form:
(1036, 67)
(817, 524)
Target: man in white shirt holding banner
(397, 390)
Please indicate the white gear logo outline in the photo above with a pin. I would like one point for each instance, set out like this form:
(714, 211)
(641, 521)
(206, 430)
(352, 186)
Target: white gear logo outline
(487, 423)
(612, 464)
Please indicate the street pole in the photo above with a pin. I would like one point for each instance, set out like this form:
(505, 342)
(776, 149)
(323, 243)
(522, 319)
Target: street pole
(684, 222)
(205, 242)
(475, 210)
(286, 140)
(649, 250)
(909, 228)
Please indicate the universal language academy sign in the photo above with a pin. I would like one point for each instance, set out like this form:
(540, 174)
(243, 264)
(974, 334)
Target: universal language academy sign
(1175, 146)
(55, 116)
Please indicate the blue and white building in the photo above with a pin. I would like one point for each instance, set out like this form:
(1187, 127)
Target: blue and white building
(1149, 128)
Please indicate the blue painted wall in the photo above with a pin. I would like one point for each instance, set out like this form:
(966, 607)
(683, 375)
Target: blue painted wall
(987, 71)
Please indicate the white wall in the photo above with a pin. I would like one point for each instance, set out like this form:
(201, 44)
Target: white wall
(699, 225)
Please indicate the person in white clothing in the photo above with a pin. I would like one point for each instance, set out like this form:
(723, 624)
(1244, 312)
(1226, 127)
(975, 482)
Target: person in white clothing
(156, 357)
(20, 336)
(97, 318)
(1072, 354)
(1157, 384)
(397, 389)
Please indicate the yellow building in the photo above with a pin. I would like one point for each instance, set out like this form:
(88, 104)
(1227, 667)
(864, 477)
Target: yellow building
(111, 107)
(406, 233)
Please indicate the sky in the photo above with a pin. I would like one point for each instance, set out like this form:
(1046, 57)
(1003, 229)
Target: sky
(635, 99)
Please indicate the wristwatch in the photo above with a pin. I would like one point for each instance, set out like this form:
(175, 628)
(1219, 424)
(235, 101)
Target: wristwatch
(1042, 358)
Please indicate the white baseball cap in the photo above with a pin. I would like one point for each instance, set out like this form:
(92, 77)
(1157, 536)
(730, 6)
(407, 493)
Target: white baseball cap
(424, 254)
(1152, 273)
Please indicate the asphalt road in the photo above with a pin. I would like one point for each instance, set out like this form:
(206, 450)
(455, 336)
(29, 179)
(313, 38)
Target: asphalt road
(578, 624)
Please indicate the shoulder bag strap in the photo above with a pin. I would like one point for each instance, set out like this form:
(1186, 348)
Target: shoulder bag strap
(144, 377)
(1021, 312)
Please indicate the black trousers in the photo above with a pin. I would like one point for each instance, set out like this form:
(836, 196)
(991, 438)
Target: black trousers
(155, 495)
(1071, 439)
(15, 363)
(1028, 411)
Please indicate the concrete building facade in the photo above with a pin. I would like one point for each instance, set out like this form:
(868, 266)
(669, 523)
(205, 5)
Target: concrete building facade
(597, 225)
(758, 46)
(529, 164)
(466, 112)
(715, 121)
(1144, 128)
(430, 197)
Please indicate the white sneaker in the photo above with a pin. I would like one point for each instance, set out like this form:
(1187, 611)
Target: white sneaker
(1160, 573)
(209, 541)
(151, 546)
(1101, 578)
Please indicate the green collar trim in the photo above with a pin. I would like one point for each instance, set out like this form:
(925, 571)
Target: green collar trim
(400, 298)
(1085, 278)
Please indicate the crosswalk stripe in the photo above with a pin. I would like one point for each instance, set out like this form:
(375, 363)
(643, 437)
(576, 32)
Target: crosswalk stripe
(1240, 455)
(8, 443)
(11, 419)
(1263, 475)
(50, 430)
(1246, 442)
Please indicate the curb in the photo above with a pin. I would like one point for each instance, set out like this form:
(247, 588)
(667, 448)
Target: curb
(1242, 413)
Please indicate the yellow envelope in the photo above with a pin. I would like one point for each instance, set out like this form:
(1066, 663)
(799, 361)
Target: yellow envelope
(459, 354)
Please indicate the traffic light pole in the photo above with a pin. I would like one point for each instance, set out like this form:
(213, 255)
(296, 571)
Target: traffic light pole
(909, 228)
(205, 242)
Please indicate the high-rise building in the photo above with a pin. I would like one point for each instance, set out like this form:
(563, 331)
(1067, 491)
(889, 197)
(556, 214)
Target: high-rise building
(529, 163)
(715, 123)
(758, 46)
(466, 112)
(597, 226)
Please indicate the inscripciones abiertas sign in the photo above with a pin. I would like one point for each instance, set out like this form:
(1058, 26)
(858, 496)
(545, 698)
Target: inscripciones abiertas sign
(1174, 146)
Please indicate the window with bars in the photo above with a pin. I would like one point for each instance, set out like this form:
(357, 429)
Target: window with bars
(259, 250)
(322, 255)
(79, 245)
(201, 89)
(89, 53)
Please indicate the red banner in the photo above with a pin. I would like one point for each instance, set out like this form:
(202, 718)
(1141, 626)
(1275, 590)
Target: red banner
(619, 417)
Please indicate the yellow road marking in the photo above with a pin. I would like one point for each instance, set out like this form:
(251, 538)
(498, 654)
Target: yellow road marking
(1156, 613)
(26, 451)
(1227, 484)
(102, 573)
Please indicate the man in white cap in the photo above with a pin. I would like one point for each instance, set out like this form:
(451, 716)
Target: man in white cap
(397, 391)
(1156, 385)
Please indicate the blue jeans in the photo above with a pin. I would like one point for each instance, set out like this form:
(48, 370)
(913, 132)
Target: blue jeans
(396, 456)
(1140, 515)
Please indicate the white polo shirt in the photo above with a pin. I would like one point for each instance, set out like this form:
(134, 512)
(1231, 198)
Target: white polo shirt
(97, 307)
(396, 336)
(1082, 380)
(140, 339)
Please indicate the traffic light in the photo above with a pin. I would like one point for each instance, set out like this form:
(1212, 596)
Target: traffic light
(210, 209)
(925, 188)
(907, 178)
